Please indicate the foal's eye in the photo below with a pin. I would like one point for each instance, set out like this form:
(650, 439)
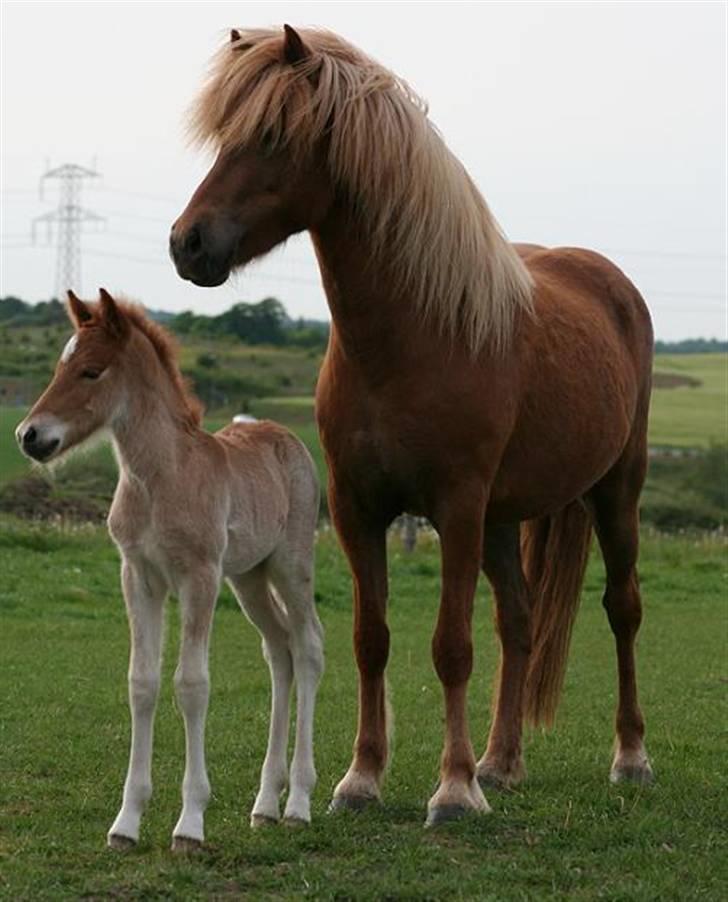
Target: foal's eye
(90, 374)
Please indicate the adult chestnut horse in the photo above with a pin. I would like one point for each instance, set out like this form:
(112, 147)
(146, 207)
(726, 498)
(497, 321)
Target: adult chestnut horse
(504, 397)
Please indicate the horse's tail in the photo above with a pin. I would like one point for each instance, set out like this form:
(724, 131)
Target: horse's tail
(555, 550)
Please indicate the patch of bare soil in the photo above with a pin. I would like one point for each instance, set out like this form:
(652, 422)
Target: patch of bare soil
(674, 380)
(32, 497)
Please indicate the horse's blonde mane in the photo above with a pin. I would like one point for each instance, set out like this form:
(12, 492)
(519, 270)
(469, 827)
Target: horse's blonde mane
(411, 193)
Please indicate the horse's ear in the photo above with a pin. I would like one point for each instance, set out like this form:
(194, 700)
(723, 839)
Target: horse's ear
(111, 317)
(78, 312)
(294, 50)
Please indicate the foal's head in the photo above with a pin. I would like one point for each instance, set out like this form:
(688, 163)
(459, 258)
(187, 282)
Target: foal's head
(86, 390)
(269, 180)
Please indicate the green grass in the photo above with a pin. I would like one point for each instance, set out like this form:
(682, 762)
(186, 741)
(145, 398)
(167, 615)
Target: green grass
(12, 462)
(691, 417)
(566, 833)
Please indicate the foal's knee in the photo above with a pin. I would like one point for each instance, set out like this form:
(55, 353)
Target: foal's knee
(191, 689)
(143, 691)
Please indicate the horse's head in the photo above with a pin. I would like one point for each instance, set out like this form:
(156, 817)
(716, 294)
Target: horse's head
(86, 391)
(263, 186)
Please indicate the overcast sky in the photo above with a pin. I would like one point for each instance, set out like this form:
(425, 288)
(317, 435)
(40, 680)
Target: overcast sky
(593, 124)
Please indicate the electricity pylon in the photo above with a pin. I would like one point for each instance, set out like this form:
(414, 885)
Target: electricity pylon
(69, 217)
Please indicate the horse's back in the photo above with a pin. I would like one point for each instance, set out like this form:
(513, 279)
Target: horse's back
(577, 276)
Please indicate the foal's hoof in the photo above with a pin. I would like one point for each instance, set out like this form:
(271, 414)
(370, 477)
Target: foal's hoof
(260, 821)
(120, 843)
(294, 823)
(443, 814)
(632, 773)
(351, 803)
(186, 845)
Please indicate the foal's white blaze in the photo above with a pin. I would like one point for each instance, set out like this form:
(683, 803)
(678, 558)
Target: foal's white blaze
(69, 349)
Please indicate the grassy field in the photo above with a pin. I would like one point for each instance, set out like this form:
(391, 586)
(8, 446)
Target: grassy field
(688, 416)
(567, 833)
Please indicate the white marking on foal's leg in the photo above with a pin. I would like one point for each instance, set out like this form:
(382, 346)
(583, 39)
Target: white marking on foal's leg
(192, 689)
(145, 622)
(308, 666)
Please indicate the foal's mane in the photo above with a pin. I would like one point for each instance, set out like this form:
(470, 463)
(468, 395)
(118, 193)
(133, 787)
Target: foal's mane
(165, 347)
(411, 193)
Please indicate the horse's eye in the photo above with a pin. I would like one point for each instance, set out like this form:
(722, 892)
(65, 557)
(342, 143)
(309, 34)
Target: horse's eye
(90, 374)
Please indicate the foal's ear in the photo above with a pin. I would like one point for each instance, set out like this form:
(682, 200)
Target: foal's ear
(77, 311)
(111, 317)
(294, 50)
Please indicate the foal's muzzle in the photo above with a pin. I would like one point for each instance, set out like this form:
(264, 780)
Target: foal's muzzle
(35, 444)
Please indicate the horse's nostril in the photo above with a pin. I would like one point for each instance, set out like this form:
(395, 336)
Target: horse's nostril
(193, 241)
(29, 436)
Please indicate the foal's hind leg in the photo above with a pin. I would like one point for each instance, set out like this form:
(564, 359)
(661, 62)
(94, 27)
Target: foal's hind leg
(271, 621)
(614, 503)
(291, 571)
(502, 764)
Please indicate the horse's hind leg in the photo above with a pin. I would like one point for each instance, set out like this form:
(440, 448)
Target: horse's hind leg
(502, 764)
(614, 504)
(291, 571)
(271, 621)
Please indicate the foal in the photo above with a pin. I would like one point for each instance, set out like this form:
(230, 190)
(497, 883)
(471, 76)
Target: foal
(189, 510)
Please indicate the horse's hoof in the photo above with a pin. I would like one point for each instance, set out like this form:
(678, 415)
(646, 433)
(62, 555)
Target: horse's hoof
(443, 814)
(185, 845)
(351, 803)
(632, 773)
(120, 843)
(498, 780)
(257, 821)
(294, 823)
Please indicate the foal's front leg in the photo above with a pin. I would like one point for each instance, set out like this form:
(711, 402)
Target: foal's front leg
(197, 597)
(144, 595)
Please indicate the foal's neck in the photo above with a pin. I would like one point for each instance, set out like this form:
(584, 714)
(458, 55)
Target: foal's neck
(149, 434)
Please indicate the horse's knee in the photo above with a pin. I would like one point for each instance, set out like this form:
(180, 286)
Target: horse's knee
(371, 645)
(452, 653)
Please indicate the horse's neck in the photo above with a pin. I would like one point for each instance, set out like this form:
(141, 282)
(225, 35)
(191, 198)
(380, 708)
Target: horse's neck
(372, 316)
(148, 439)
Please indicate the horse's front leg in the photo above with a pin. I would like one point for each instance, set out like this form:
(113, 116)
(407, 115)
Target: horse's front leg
(197, 597)
(365, 547)
(460, 524)
(144, 595)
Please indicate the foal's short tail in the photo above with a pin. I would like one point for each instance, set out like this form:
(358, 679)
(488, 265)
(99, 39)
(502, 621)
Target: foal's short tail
(555, 551)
